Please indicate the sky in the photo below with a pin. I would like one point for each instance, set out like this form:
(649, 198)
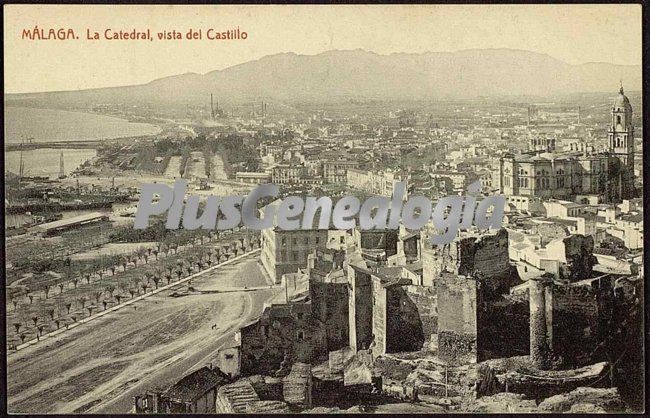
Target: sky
(575, 34)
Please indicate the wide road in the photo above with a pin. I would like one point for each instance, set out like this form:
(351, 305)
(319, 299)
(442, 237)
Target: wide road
(100, 366)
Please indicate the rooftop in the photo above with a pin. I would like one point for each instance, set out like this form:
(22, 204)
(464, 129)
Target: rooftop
(196, 384)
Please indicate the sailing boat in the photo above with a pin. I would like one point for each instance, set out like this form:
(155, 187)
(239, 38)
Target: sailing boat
(61, 171)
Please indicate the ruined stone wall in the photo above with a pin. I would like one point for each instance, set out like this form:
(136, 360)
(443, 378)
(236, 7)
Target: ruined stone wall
(425, 299)
(626, 341)
(435, 260)
(580, 324)
(404, 327)
(487, 257)
(262, 351)
(330, 306)
(380, 331)
(540, 296)
(360, 308)
(579, 256)
(503, 327)
(456, 318)
(273, 343)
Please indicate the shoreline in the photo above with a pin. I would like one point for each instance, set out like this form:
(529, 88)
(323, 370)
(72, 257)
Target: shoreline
(9, 145)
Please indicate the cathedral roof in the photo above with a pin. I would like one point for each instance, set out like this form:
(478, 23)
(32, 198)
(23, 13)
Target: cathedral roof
(622, 102)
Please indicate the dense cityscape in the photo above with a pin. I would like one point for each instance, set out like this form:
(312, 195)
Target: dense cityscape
(542, 315)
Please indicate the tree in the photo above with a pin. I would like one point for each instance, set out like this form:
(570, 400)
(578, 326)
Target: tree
(110, 289)
(82, 301)
(46, 289)
(51, 312)
(97, 294)
(158, 273)
(140, 252)
(122, 287)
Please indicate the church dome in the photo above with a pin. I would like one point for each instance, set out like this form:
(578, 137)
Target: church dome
(622, 102)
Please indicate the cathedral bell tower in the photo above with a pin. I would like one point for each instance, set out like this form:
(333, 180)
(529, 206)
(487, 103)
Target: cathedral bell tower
(621, 131)
(621, 143)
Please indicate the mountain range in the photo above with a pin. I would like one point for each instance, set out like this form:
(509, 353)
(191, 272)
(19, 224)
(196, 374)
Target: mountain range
(359, 74)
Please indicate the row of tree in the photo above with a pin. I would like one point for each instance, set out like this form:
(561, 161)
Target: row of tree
(104, 295)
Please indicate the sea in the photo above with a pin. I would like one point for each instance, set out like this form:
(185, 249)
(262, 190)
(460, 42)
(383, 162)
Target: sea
(47, 125)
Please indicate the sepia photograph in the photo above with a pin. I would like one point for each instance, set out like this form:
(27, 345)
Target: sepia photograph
(279, 209)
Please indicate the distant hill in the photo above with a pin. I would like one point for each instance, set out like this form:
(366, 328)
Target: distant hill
(361, 74)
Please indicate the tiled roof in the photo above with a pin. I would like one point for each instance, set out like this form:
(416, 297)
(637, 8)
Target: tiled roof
(194, 385)
(239, 395)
